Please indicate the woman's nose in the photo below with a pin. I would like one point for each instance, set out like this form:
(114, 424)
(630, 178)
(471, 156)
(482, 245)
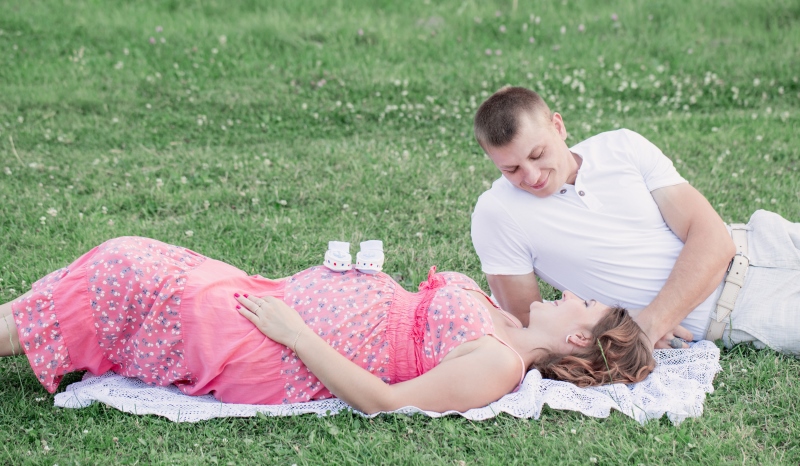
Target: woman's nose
(567, 295)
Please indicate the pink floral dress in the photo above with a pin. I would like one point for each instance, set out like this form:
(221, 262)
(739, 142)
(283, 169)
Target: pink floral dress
(166, 315)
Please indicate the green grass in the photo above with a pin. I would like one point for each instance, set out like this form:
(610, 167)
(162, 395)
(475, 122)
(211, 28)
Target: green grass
(275, 127)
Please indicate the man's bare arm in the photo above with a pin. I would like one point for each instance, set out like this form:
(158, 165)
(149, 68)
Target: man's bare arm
(515, 293)
(707, 250)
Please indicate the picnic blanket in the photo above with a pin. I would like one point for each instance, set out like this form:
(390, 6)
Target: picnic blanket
(677, 388)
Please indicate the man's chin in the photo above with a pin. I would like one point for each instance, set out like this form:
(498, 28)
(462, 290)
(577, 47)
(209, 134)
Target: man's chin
(543, 192)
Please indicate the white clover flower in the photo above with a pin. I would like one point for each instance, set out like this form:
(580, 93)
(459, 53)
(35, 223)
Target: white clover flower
(119, 65)
(189, 233)
(159, 182)
(223, 39)
(110, 222)
(418, 234)
(52, 212)
(563, 30)
(502, 28)
(254, 201)
(7, 171)
(184, 180)
(282, 202)
(42, 220)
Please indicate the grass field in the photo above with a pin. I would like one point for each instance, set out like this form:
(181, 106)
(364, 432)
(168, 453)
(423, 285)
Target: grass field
(255, 132)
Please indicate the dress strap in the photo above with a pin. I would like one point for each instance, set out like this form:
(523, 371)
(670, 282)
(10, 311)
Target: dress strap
(522, 361)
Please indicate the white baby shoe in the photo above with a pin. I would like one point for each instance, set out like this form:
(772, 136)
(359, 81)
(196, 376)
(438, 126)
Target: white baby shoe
(337, 257)
(370, 258)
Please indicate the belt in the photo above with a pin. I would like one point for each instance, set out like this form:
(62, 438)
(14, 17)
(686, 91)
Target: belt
(734, 280)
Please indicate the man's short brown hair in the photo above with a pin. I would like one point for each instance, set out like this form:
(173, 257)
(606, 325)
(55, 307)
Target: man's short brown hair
(498, 118)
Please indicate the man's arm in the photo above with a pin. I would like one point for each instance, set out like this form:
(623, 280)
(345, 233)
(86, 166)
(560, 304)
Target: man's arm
(515, 293)
(707, 250)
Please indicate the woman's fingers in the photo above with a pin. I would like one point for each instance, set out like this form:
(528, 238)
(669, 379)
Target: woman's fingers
(253, 304)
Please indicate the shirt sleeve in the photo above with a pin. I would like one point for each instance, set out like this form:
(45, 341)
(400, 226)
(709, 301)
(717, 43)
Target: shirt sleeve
(656, 168)
(499, 240)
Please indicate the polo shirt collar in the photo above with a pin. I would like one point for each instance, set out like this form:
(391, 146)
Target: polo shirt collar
(581, 189)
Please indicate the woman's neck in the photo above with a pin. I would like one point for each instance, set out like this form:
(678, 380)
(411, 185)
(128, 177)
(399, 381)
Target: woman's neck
(531, 343)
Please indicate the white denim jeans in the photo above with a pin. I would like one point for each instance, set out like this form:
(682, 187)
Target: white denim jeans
(767, 310)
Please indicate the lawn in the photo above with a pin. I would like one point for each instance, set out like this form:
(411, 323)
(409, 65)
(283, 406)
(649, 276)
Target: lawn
(255, 132)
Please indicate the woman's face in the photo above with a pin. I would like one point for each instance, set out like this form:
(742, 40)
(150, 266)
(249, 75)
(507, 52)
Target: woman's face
(570, 317)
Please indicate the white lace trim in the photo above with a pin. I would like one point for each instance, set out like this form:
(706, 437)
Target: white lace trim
(676, 388)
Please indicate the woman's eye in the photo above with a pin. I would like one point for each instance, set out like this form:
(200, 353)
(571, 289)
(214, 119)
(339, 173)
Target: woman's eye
(511, 171)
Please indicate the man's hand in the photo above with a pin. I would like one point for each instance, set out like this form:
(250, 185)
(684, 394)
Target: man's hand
(515, 293)
(676, 339)
(700, 266)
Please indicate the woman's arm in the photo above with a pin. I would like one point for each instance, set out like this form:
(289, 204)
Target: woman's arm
(471, 380)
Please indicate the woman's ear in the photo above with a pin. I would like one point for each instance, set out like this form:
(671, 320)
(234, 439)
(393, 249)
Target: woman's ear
(579, 340)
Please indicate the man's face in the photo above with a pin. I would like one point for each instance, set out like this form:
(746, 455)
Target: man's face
(537, 160)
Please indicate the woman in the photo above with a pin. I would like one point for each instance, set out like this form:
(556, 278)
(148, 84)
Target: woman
(168, 315)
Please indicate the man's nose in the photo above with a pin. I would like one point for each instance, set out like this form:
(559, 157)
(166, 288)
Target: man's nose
(530, 175)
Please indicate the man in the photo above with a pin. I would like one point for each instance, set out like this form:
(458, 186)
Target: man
(609, 219)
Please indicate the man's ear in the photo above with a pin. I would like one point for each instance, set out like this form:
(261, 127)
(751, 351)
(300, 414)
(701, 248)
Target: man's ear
(558, 124)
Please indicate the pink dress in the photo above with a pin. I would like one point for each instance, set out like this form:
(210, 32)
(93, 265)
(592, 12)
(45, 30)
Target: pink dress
(166, 315)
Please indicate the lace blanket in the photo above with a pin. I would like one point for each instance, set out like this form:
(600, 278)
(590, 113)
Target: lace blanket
(677, 388)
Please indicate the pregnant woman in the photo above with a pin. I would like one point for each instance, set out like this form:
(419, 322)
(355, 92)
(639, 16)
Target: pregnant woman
(168, 315)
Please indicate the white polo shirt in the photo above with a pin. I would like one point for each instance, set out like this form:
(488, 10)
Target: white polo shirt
(602, 238)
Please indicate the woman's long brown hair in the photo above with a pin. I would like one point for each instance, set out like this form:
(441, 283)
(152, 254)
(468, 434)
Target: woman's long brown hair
(619, 353)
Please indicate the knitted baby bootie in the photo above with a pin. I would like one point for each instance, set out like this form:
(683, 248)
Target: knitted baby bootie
(337, 257)
(370, 258)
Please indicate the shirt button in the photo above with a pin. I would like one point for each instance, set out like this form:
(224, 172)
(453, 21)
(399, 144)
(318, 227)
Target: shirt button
(581, 193)
(563, 191)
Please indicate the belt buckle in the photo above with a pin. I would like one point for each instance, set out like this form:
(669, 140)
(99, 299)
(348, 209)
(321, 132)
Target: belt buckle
(738, 253)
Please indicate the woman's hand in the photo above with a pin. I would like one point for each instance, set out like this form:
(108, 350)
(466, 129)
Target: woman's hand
(272, 317)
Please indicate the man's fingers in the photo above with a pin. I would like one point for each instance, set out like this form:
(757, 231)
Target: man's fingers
(681, 332)
(671, 341)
